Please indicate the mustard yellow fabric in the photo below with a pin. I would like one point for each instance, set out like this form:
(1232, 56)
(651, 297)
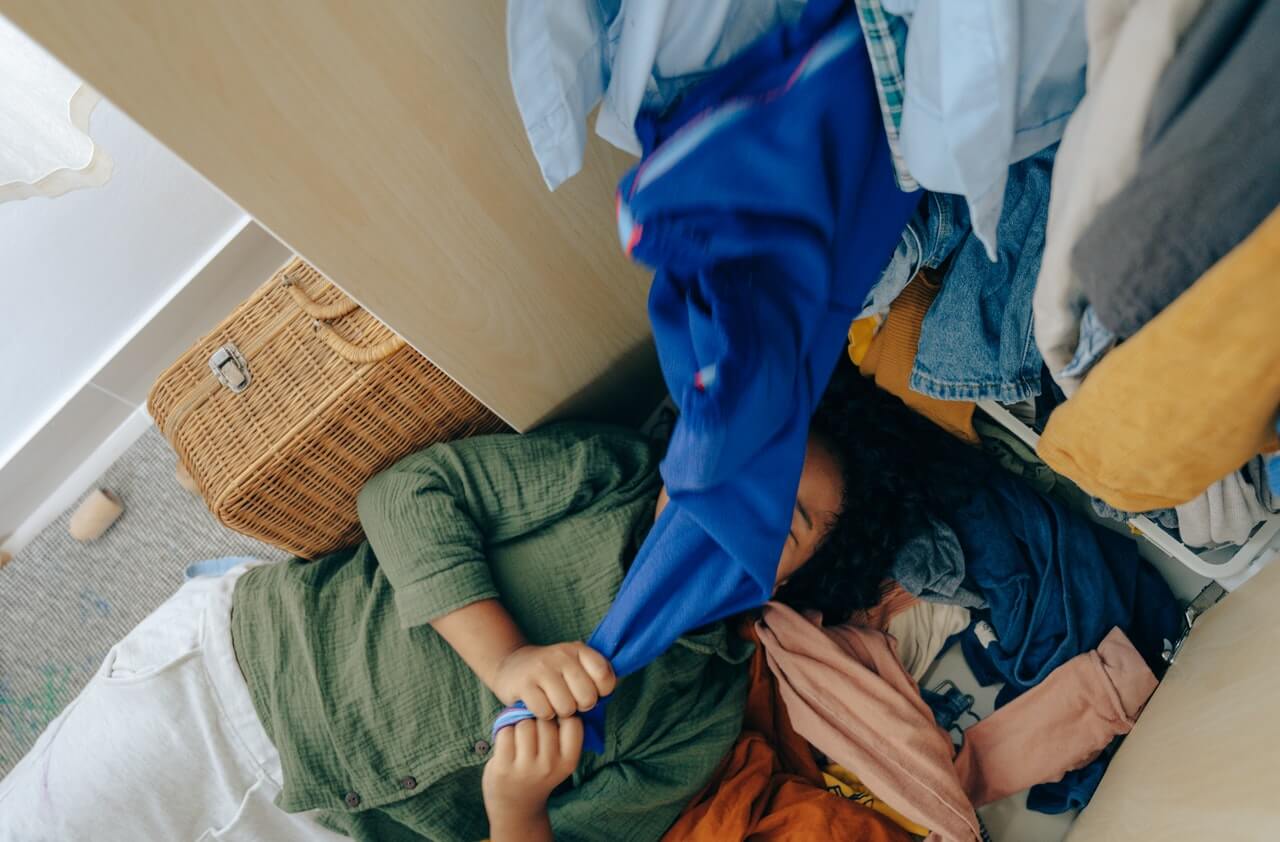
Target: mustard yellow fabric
(861, 332)
(1190, 398)
(846, 784)
(889, 355)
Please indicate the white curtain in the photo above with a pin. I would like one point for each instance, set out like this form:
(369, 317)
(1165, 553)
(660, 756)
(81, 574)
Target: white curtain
(45, 148)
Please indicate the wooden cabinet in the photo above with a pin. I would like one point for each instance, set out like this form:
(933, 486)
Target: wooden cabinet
(381, 141)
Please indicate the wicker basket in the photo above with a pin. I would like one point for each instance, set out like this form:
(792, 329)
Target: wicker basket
(283, 412)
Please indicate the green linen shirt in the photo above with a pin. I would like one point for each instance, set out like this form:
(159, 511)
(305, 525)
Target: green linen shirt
(384, 728)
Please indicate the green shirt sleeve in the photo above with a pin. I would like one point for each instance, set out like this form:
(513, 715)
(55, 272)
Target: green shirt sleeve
(637, 798)
(430, 516)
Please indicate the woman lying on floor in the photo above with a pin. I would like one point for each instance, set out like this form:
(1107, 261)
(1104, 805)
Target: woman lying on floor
(356, 693)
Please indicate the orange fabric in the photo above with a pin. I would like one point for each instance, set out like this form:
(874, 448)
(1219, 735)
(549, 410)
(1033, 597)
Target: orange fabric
(770, 789)
(1188, 399)
(893, 353)
(894, 599)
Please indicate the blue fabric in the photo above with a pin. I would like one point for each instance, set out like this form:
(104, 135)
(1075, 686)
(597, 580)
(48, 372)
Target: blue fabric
(767, 204)
(939, 224)
(948, 706)
(511, 715)
(1168, 518)
(976, 340)
(1056, 584)
(987, 85)
(565, 57)
(1096, 339)
(1075, 789)
(214, 567)
(1273, 468)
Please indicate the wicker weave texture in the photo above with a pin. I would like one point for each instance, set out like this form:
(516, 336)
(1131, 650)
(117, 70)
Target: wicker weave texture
(284, 460)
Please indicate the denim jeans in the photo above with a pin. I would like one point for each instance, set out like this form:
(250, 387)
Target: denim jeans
(1096, 339)
(976, 340)
(939, 224)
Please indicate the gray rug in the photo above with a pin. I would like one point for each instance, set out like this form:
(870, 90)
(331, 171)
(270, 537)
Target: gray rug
(63, 604)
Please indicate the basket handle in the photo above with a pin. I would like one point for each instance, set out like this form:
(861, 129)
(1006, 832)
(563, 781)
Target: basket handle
(321, 313)
(354, 353)
(314, 309)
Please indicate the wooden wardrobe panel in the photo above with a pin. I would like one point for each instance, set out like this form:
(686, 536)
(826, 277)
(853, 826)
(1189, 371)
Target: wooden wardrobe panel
(1203, 762)
(382, 142)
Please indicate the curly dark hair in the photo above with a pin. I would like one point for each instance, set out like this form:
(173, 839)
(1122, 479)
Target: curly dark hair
(899, 470)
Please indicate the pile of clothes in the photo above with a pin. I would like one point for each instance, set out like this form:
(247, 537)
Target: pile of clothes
(1060, 612)
(1065, 226)
(1134, 228)
(1088, 164)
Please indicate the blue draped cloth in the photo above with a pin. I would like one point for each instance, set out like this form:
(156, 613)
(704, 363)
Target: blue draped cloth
(766, 204)
(1056, 584)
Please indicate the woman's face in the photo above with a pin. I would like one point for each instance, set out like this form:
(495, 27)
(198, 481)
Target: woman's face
(817, 507)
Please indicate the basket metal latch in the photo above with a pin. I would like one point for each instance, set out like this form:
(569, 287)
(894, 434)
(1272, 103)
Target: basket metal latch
(229, 366)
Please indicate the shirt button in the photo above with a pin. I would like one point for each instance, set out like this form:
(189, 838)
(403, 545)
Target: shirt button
(352, 800)
(482, 746)
(409, 782)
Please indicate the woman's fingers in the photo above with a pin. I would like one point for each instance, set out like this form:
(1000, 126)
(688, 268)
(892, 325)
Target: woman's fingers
(526, 738)
(537, 702)
(570, 743)
(504, 746)
(548, 743)
(598, 668)
(582, 686)
(560, 680)
(559, 695)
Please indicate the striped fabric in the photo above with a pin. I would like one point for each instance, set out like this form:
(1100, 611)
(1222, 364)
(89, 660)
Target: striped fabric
(510, 716)
(886, 37)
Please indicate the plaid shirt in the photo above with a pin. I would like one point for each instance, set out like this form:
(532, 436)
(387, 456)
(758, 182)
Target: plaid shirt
(886, 37)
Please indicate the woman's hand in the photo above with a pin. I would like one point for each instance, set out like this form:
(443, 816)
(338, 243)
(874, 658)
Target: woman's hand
(529, 761)
(554, 681)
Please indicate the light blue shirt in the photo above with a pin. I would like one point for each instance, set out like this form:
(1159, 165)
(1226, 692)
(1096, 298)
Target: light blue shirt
(567, 56)
(988, 83)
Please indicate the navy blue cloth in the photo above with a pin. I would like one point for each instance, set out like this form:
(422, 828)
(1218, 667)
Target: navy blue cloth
(948, 706)
(767, 205)
(1056, 584)
(1076, 788)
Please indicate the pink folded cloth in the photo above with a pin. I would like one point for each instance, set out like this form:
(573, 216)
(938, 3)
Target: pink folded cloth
(847, 693)
(1061, 724)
